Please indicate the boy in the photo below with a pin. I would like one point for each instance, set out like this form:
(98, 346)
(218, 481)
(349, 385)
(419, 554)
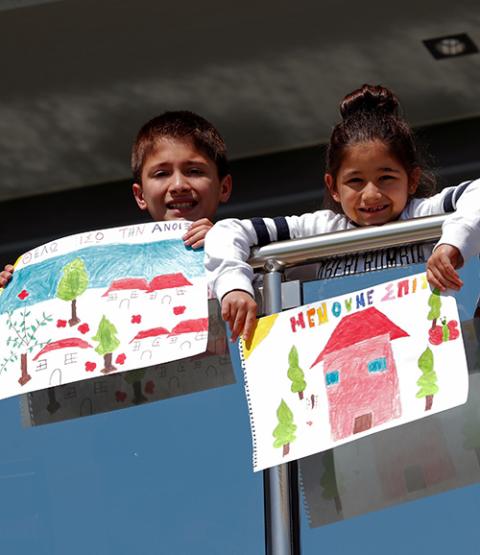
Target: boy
(180, 171)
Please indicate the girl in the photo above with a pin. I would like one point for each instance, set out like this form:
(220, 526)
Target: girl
(374, 176)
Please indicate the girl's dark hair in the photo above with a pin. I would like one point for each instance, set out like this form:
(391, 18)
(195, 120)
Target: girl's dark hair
(372, 113)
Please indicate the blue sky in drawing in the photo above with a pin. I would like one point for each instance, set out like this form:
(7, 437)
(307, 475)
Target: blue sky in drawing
(104, 263)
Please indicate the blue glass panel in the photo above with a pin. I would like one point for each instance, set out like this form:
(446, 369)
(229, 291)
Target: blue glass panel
(348, 480)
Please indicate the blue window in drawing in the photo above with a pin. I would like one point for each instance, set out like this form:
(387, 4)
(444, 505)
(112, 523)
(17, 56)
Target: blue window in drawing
(377, 365)
(332, 378)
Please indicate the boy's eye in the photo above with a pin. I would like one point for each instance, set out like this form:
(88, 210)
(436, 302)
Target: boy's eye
(354, 180)
(160, 173)
(195, 171)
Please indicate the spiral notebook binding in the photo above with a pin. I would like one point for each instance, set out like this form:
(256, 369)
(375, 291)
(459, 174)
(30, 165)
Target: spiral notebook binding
(250, 410)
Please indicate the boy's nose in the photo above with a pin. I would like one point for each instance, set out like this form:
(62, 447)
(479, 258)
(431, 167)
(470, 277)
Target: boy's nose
(179, 182)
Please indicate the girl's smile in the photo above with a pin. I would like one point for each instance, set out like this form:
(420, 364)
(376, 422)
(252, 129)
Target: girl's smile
(371, 185)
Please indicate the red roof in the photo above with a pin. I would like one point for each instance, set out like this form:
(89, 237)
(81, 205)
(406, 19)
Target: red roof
(127, 283)
(153, 332)
(189, 326)
(357, 327)
(63, 344)
(168, 281)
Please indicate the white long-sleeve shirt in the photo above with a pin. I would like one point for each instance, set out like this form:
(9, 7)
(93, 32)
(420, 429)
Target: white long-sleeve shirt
(228, 243)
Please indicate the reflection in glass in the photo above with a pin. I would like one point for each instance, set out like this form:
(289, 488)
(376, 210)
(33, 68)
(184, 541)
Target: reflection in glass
(126, 389)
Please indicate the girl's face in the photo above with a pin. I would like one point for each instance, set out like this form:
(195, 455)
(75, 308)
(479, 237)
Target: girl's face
(371, 185)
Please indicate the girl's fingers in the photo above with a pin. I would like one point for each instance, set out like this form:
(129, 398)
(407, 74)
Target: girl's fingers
(250, 322)
(238, 323)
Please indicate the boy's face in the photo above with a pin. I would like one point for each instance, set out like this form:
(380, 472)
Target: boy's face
(180, 182)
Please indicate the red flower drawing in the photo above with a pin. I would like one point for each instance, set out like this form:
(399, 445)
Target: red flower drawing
(120, 396)
(90, 366)
(179, 310)
(23, 294)
(61, 323)
(121, 358)
(150, 387)
(84, 328)
(136, 318)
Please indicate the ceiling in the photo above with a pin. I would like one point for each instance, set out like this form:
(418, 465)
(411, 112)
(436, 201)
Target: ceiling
(79, 77)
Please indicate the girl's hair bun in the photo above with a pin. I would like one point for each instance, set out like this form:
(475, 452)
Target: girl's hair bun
(368, 99)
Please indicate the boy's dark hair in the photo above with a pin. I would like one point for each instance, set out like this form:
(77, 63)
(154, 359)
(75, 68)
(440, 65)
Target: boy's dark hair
(180, 124)
(371, 113)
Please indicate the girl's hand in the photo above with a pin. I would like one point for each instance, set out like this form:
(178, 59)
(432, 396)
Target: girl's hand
(441, 267)
(195, 236)
(239, 309)
(6, 275)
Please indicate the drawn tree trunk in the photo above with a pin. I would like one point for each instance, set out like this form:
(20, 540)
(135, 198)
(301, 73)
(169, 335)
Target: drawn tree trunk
(72, 284)
(25, 376)
(428, 380)
(108, 341)
(435, 304)
(295, 373)
(284, 433)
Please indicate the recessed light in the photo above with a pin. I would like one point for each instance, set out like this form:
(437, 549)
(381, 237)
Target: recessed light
(451, 46)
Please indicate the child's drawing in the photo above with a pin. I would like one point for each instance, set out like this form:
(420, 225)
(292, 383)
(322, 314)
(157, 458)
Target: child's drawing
(357, 364)
(360, 373)
(101, 302)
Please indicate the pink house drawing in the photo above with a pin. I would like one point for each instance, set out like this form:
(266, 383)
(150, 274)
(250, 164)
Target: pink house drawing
(124, 289)
(57, 356)
(360, 373)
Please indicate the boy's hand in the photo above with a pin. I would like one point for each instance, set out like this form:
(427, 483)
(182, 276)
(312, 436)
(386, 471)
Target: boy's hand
(441, 267)
(239, 309)
(195, 236)
(6, 275)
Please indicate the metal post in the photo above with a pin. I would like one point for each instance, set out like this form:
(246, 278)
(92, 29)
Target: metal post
(280, 483)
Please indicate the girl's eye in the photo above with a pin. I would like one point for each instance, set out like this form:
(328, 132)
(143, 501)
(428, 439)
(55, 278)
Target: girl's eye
(355, 180)
(195, 171)
(386, 177)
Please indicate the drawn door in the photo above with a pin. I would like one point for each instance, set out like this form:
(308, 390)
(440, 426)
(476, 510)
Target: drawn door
(362, 423)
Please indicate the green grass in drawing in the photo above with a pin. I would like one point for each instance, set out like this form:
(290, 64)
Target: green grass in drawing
(284, 433)
(428, 380)
(22, 340)
(108, 341)
(72, 284)
(295, 373)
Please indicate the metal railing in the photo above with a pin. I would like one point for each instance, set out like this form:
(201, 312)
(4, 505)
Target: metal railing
(281, 496)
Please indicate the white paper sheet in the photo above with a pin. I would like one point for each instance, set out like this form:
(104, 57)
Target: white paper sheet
(99, 302)
(332, 371)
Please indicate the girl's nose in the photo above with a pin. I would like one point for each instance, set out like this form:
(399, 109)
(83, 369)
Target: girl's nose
(371, 192)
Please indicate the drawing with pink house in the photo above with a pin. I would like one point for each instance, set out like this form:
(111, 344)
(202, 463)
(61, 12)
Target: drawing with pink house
(360, 373)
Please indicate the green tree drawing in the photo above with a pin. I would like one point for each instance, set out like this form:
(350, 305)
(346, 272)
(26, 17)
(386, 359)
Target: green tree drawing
(284, 433)
(72, 284)
(328, 480)
(23, 338)
(134, 378)
(428, 380)
(295, 373)
(107, 342)
(435, 304)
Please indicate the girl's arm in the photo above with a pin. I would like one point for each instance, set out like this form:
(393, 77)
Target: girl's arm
(227, 249)
(460, 232)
